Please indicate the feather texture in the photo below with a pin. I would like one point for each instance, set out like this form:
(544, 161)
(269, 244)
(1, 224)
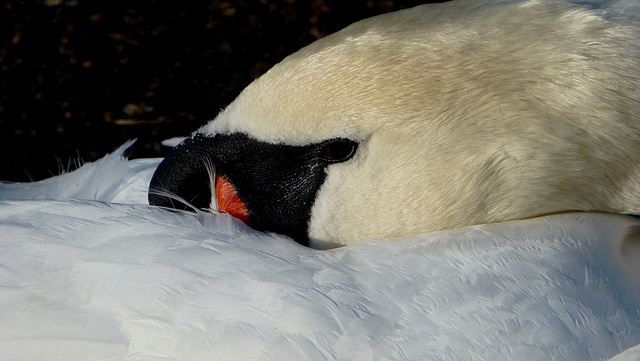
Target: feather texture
(97, 280)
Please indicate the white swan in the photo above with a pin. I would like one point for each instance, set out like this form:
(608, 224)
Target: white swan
(88, 271)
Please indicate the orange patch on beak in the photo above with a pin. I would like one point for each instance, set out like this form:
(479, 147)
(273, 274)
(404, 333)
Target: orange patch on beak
(229, 202)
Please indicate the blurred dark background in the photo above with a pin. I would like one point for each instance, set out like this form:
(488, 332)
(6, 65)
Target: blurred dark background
(80, 77)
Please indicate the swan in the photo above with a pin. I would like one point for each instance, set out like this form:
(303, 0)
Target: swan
(90, 271)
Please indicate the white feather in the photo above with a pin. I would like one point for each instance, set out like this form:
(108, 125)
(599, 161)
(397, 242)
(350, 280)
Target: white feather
(94, 280)
(172, 142)
(110, 179)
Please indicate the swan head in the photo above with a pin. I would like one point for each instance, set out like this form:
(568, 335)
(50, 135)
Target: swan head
(430, 118)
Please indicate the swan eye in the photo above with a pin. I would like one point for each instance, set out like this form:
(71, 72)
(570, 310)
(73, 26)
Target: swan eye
(338, 150)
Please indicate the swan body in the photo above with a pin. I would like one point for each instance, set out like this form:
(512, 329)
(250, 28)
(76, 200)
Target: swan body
(91, 279)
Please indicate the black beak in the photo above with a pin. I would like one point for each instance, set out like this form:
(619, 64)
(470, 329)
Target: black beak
(184, 174)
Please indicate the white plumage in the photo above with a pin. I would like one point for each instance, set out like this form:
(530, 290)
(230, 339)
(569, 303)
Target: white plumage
(110, 179)
(99, 280)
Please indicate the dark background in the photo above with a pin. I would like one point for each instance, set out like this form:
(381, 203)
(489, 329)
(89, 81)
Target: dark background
(80, 77)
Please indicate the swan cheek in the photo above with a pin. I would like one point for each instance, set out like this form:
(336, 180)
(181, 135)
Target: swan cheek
(321, 222)
(336, 217)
